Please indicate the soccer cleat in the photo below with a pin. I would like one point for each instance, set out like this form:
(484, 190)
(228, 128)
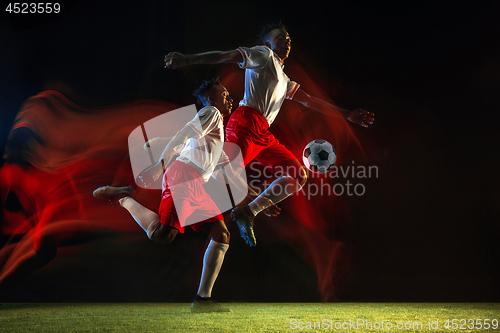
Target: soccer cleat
(245, 224)
(113, 194)
(207, 305)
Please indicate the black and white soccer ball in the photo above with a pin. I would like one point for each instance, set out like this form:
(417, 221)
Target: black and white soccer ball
(319, 156)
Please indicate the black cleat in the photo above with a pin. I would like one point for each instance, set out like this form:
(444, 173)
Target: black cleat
(207, 305)
(245, 224)
(113, 194)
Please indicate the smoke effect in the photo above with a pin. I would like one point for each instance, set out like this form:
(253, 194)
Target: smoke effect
(62, 153)
(72, 150)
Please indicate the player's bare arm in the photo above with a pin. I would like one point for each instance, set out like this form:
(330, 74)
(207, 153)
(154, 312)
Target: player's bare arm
(179, 139)
(358, 116)
(177, 60)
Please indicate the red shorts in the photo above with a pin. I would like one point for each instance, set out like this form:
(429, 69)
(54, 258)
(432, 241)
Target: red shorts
(193, 206)
(248, 129)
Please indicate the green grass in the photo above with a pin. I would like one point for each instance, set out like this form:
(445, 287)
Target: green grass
(245, 317)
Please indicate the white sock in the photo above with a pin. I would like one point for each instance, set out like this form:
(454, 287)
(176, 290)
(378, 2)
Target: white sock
(279, 190)
(212, 262)
(145, 218)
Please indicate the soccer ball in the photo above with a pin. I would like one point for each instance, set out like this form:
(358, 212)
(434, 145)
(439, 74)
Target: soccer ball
(319, 156)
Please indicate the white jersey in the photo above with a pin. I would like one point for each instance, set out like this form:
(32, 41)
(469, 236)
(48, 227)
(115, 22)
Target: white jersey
(266, 85)
(204, 150)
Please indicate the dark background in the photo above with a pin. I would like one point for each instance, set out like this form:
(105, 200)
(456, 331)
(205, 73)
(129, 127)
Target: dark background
(427, 228)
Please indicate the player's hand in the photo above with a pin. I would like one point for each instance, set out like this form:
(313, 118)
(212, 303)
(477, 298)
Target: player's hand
(150, 175)
(272, 211)
(176, 60)
(361, 117)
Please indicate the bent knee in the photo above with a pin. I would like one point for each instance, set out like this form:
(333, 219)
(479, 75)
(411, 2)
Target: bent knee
(219, 233)
(295, 170)
(225, 237)
(302, 177)
(163, 234)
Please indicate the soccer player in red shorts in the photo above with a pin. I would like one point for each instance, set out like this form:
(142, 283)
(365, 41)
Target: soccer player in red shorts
(266, 87)
(197, 150)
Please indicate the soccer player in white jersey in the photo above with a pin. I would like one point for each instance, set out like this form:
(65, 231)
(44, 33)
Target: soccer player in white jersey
(201, 141)
(266, 87)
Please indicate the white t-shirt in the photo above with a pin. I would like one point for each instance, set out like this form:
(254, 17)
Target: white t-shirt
(204, 150)
(266, 85)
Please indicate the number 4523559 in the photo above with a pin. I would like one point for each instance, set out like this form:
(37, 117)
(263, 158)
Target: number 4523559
(33, 8)
(471, 324)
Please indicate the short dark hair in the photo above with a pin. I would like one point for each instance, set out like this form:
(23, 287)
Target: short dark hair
(270, 27)
(203, 92)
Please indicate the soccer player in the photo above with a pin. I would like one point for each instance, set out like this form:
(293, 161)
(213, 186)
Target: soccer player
(189, 159)
(266, 87)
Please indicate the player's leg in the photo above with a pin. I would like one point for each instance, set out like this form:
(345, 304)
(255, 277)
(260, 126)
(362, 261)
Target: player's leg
(148, 220)
(214, 256)
(291, 181)
(145, 218)
(212, 263)
(122, 195)
(291, 178)
(201, 207)
(163, 234)
(244, 145)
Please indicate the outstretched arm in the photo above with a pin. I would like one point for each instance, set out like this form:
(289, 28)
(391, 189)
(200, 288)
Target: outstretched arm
(176, 59)
(358, 116)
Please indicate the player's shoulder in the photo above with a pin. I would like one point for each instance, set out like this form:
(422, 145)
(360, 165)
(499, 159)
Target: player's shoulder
(262, 48)
(209, 112)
